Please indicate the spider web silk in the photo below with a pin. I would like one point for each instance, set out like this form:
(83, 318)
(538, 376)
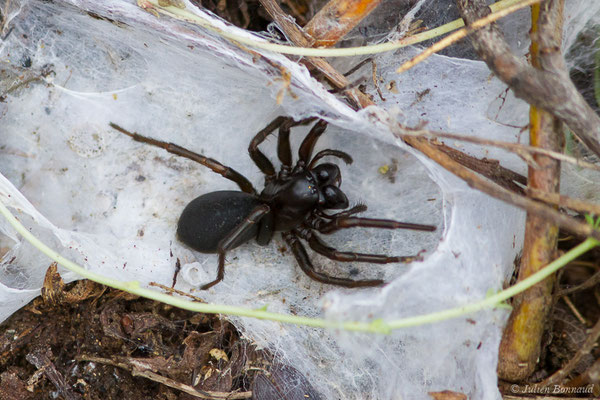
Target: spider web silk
(112, 205)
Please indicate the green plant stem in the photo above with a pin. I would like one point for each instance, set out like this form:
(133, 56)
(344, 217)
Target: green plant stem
(494, 300)
(376, 326)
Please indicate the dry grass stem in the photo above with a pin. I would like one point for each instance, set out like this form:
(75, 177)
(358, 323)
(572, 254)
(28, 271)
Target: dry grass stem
(525, 152)
(462, 33)
(171, 290)
(297, 36)
(589, 283)
(494, 190)
(564, 201)
(138, 370)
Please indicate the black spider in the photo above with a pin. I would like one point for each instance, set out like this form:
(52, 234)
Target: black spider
(294, 202)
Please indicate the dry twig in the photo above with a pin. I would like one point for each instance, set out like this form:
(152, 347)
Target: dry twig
(589, 283)
(576, 313)
(494, 190)
(297, 36)
(491, 169)
(522, 338)
(41, 360)
(137, 370)
(549, 88)
(592, 375)
(462, 33)
(561, 200)
(171, 290)
(525, 152)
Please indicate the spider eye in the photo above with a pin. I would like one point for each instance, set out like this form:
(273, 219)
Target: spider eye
(332, 197)
(327, 174)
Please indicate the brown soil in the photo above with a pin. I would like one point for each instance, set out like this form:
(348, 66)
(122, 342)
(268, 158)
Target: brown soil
(84, 341)
(92, 349)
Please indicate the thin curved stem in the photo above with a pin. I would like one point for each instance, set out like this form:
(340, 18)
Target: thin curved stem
(323, 52)
(376, 326)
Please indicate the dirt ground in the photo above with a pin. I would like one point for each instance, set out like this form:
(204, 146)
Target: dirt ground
(84, 341)
(93, 348)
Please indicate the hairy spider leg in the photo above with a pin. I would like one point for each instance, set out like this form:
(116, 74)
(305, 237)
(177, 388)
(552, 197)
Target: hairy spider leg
(306, 265)
(344, 222)
(351, 211)
(329, 152)
(229, 241)
(308, 144)
(261, 161)
(320, 247)
(284, 150)
(215, 166)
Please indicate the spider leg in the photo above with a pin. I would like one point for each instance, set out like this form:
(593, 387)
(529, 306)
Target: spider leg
(320, 247)
(230, 241)
(351, 211)
(284, 150)
(306, 265)
(261, 161)
(345, 221)
(215, 166)
(308, 144)
(329, 152)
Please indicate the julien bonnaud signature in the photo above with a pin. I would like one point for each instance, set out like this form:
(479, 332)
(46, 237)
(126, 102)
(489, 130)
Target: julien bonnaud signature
(552, 389)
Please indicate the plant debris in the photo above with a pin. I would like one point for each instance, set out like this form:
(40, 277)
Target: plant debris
(111, 345)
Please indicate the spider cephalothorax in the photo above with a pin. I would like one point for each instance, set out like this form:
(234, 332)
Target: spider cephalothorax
(296, 201)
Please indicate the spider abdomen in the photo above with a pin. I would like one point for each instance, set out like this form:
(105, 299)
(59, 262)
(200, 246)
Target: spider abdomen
(208, 219)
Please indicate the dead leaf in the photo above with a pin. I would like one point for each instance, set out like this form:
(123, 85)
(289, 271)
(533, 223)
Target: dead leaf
(218, 355)
(448, 395)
